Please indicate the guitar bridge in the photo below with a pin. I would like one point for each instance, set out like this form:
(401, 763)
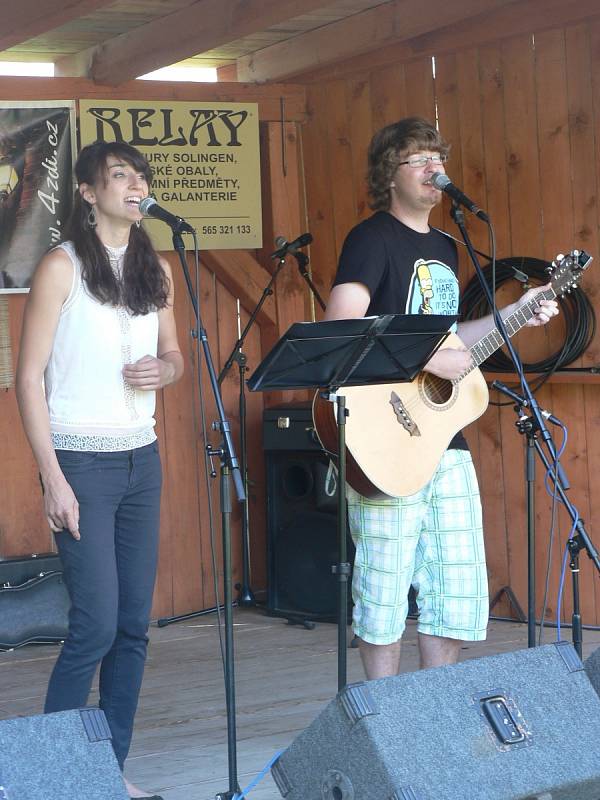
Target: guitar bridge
(403, 416)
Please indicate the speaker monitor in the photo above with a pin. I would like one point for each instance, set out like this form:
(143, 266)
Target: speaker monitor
(518, 726)
(67, 755)
(592, 668)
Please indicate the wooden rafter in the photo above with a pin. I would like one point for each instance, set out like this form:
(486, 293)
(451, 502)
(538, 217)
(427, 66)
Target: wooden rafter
(28, 18)
(202, 26)
(399, 20)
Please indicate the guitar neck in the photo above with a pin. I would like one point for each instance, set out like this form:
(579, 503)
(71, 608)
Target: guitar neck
(493, 340)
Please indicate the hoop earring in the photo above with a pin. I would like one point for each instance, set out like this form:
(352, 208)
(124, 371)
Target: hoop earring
(91, 218)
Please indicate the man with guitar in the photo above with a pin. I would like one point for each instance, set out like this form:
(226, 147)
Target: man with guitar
(394, 262)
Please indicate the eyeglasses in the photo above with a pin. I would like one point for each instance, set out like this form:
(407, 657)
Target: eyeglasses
(420, 161)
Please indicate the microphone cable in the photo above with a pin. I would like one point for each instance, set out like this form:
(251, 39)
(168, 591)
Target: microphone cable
(578, 315)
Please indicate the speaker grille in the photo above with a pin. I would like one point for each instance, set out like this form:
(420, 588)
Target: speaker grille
(302, 535)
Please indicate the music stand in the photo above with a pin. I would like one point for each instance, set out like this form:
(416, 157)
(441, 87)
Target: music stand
(349, 352)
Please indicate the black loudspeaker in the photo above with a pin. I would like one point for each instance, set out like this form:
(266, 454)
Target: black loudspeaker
(67, 755)
(302, 501)
(519, 726)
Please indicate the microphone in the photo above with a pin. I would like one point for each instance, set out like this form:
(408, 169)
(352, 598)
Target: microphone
(286, 247)
(521, 401)
(150, 208)
(444, 184)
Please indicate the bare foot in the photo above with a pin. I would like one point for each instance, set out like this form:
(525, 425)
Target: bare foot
(133, 790)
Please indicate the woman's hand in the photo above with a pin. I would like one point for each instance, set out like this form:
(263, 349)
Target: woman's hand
(61, 506)
(149, 373)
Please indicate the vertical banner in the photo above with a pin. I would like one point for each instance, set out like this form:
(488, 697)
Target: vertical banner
(205, 158)
(37, 141)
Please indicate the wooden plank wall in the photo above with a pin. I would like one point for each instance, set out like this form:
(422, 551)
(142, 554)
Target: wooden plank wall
(186, 579)
(522, 115)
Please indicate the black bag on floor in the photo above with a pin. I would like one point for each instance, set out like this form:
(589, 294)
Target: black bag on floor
(34, 609)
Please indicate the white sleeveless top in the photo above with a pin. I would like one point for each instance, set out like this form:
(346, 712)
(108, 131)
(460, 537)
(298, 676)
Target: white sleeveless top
(91, 406)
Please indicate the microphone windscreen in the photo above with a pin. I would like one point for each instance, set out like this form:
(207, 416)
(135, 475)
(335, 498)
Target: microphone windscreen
(439, 180)
(304, 239)
(146, 204)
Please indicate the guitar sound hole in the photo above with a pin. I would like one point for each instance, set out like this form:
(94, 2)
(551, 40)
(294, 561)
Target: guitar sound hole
(437, 390)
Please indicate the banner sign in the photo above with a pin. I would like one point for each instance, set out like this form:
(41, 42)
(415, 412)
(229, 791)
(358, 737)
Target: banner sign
(205, 158)
(37, 141)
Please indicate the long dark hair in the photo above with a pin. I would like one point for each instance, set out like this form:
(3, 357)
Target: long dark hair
(144, 286)
(391, 145)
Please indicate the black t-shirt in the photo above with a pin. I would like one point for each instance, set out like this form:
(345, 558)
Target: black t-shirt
(406, 272)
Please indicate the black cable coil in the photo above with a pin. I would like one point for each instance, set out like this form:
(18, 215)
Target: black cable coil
(576, 308)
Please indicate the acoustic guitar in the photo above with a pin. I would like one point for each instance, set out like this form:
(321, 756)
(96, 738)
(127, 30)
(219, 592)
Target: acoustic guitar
(396, 433)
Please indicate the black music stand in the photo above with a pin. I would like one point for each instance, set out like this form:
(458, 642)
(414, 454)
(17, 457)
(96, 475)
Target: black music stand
(349, 352)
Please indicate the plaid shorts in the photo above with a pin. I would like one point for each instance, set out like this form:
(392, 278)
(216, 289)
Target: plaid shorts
(433, 540)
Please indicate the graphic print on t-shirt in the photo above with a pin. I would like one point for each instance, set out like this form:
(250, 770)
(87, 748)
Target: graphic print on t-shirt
(433, 289)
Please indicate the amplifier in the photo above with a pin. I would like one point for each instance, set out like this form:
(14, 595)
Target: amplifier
(290, 427)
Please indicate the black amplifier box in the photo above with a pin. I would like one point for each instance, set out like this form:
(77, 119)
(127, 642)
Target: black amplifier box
(290, 428)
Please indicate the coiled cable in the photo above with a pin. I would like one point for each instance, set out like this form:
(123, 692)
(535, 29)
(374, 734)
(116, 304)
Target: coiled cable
(576, 308)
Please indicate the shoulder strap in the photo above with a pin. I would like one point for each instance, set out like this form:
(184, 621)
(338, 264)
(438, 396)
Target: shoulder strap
(459, 241)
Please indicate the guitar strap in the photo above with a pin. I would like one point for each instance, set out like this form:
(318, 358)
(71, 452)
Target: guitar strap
(459, 241)
(520, 276)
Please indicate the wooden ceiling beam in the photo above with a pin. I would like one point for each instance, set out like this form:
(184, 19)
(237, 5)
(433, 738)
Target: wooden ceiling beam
(267, 96)
(396, 21)
(202, 26)
(27, 19)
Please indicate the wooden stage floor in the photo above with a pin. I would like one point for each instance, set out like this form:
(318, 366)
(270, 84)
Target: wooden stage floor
(285, 675)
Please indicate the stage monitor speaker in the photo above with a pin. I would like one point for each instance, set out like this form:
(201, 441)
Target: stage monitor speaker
(518, 726)
(302, 501)
(592, 668)
(67, 755)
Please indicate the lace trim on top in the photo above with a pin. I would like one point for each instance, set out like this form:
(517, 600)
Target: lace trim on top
(116, 256)
(128, 390)
(116, 253)
(106, 444)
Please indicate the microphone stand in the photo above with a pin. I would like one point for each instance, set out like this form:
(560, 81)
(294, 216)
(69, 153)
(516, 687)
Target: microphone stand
(303, 262)
(527, 427)
(576, 542)
(229, 467)
(246, 595)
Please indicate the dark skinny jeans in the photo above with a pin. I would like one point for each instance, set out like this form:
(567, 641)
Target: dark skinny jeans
(110, 576)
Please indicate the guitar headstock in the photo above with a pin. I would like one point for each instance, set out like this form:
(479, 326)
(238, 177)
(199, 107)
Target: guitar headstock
(566, 271)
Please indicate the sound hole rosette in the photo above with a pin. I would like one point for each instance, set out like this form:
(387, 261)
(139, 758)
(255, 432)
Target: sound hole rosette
(436, 393)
